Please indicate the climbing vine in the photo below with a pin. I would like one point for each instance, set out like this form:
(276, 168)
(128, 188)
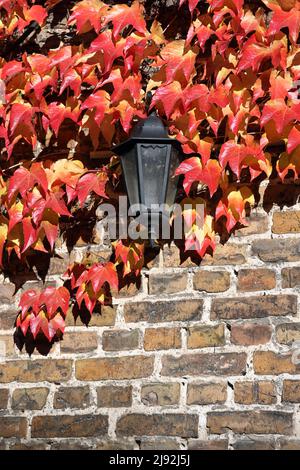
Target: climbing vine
(222, 74)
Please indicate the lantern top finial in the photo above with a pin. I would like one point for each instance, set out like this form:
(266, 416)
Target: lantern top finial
(151, 127)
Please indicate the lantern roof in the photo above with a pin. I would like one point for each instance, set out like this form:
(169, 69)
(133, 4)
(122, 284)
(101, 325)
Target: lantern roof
(149, 130)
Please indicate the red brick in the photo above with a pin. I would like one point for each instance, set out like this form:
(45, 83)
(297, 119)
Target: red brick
(198, 444)
(29, 398)
(11, 426)
(290, 277)
(256, 279)
(254, 307)
(263, 392)
(156, 312)
(135, 424)
(112, 396)
(3, 398)
(277, 250)
(257, 223)
(69, 426)
(167, 283)
(206, 393)
(250, 333)
(79, 342)
(287, 333)
(114, 368)
(250, 422)
(270, 363)
(211, 281)
(72, 397)
(161, 394)
(40, 370)
(206, 336)
(291, 391)
(118, 340)
(286, 222)
(204, 364)
(162, 338)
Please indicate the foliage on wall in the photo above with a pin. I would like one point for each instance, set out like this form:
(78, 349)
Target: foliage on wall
(223, 75)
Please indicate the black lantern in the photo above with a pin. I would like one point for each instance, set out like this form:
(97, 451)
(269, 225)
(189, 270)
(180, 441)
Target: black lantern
(149, 159)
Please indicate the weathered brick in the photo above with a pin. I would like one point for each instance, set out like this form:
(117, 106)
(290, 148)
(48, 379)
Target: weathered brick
(254, 307)
(162, 338)
(290, 277)
(155, 312)
(114, 397)
(250, 422)
(256, 279)
(160, 444)
(7, 293)
(69, 426)
(198, 444)
(205, 336)
(270, 363)
(72, 397)
(58, 265)
(286, 222)
(7, 346)
(258, 223)
(128, 291)
(28, 445)
(3, 398)
(276, 250)
(50, 370)
(287, 333)
(8, 318)
(263, 392)
(114, 368)
(204, 364)
(70, 444)
(29, 398)
(115, 445)
(231, 253)
(250, 333)
(211, 281)
(135, 424)
(119, 340)
(254, 444)
(291, 391)
(206, 393)
(167, 283)
(11, 426)
(79, 342)
(160, 394)
(289, 444)
(107, 317)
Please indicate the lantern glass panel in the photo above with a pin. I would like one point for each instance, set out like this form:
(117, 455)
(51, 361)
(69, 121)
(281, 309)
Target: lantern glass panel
(130, 170)
(172, 180)
(153, 167)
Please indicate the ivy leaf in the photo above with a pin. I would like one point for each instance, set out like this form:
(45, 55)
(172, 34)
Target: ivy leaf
(100, 102)
(279, 112)
(91, 182)
(193, 171)
(192, 4)
(3, 236)
(87, 15)
(36, 13)
(101, 273)
(285, 19)
(293, 139)
(122, 16)
(21, 181)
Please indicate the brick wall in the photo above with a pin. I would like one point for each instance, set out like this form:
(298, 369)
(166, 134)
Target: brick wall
(196, 357)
